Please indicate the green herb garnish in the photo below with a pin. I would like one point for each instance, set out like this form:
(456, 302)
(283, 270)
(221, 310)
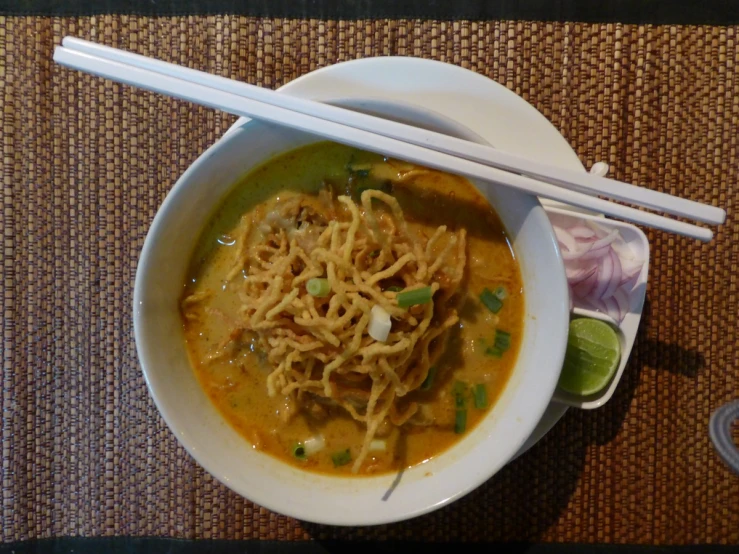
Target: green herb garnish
(341, 458)
(459, 389)
(501, 344)
(490, 301)
(318, 287)
(428, 382)
(410, 298)
(460, 421)
(299, 451)
(480, 395)
(501, 292)
(502, 340)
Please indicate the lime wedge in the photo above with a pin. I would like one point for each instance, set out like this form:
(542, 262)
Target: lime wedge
(593, 353)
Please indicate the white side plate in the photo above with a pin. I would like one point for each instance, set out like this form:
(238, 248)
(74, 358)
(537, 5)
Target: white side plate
(639, 245)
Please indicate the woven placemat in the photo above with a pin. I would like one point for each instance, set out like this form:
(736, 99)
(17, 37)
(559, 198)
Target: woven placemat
(86, 163)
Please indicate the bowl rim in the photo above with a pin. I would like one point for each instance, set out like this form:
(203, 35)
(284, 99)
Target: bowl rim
(170, 418)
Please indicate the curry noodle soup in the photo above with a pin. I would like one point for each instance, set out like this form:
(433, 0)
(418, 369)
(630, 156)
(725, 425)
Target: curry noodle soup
(351, 314)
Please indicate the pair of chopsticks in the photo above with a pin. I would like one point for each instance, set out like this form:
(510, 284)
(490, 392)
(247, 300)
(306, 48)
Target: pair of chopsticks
(393, 139)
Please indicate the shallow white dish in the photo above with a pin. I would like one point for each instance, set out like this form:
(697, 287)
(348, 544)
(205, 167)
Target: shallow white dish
(637, 242)
(277, 486)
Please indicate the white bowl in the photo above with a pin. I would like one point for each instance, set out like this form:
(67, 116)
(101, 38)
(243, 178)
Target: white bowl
(280, 487)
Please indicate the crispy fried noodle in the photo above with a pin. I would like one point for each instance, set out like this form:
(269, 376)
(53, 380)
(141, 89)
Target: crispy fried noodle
(319, 348)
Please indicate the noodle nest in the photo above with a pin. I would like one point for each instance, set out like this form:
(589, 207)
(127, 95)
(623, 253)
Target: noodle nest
(318, 348)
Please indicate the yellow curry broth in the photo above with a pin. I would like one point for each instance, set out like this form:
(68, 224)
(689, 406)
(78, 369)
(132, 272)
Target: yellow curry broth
(236, 382)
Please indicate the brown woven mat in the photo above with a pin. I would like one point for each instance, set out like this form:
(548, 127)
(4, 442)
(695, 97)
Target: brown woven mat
(86, 163)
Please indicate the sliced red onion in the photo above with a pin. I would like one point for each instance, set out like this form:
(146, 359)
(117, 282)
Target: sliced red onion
(630, 269)
(606, 240)
(581, 232)
(595, 253)
(605, 275)
(569, 256)
(622, 299)
(615, 280)
(565, 239)
(600, 267)
(576, 275)
(596, 305)
(586, 286)
(629, 285)
(612, 309)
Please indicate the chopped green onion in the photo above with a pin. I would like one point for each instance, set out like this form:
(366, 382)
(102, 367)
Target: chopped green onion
(481, 396)
(299, 451)
(491, 302)
(412, 297)
(394, 288)
(494, 351)
(341, 458)
(460, 391)
(502, 340)
(460, 422)
(502, 344)
(318, 287)
(428, 382)
(374, 253)
(501, 293)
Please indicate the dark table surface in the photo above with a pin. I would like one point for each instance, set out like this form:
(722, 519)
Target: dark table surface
(683, 12)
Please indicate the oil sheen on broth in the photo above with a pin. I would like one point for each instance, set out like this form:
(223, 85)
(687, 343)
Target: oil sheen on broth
(460, 388)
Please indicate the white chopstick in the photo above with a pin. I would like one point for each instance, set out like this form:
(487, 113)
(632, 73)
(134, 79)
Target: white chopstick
(219, 98)
(486, 155)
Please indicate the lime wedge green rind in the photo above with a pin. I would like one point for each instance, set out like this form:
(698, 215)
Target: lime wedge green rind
(592, 357)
